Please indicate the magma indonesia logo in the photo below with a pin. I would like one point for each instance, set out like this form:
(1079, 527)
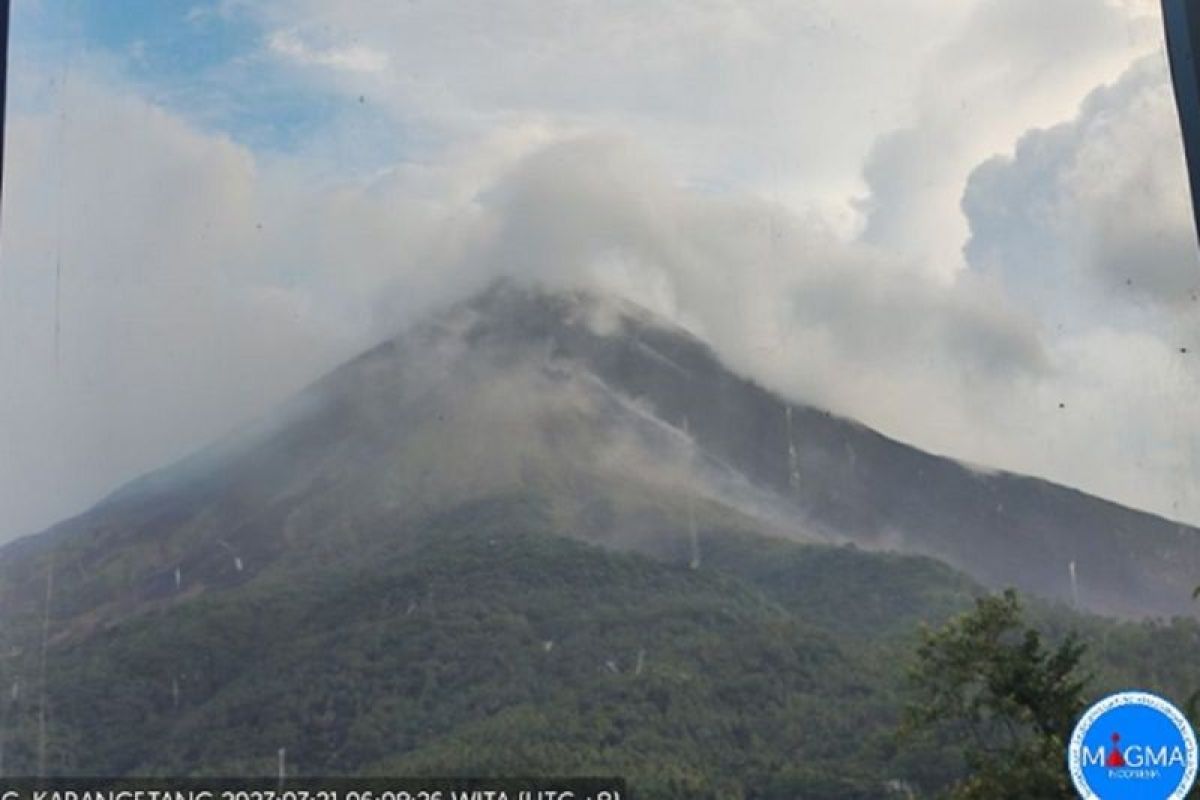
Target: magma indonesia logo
(1133, 746)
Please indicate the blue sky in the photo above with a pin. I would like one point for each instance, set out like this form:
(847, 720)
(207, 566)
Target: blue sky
(903, 211)
(205, 62)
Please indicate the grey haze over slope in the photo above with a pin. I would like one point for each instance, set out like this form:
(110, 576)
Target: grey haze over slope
(632, 427)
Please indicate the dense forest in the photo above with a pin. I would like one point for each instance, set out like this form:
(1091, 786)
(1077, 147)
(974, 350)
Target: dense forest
(482, 641)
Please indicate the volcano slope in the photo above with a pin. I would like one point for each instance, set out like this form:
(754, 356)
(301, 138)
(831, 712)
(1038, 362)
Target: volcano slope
(546, 533)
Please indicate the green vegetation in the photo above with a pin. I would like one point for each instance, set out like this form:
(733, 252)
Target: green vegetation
(989, 680)
(482, 641)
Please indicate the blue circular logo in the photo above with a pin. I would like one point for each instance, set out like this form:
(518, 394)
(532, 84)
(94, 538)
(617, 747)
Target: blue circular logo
(1133, 746)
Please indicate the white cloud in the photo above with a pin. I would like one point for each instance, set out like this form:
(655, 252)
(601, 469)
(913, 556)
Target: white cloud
(701, 159)
(1011, 66)
(163, 310)
(353, 58)
(785, 97)
(1088, 223)
(1096, 203)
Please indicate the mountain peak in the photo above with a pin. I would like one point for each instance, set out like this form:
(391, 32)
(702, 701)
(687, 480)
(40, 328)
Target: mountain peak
(511, 310)
(623, 421)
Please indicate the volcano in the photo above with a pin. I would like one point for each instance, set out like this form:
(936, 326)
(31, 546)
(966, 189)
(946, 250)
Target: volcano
(532, 512)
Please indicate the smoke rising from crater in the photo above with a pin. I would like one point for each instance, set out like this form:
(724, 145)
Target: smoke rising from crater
(163, 280)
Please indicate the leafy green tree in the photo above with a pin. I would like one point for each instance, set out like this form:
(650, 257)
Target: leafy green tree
(990, 681)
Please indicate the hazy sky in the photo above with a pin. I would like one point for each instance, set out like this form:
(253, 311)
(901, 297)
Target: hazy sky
(964, 222)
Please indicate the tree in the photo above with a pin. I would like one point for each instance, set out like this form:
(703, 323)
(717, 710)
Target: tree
(989, 679)
(1191, 706)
